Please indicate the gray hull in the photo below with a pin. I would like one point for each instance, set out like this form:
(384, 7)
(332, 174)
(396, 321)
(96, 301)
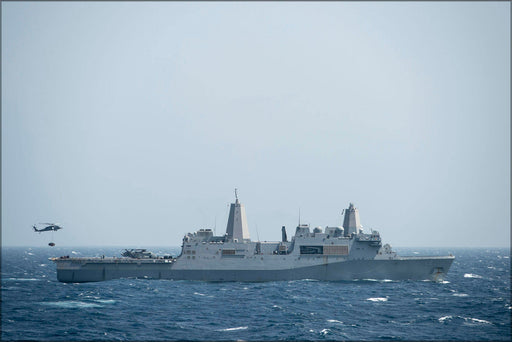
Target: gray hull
(414, 268)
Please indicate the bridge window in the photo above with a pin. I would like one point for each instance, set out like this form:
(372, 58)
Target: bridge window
(311, 249)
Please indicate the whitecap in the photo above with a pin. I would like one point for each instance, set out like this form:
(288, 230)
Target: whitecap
(23, 279)
(43, 265)
(106, 301)
(378, 280)
(199, 294)
(72, 304)
(325, 331)
(233, 329)
(73, 252)
(442, 319)
(460, 294)
(378, 299)
(476, 320)
(471, 275)
(30, 253)
(334, 321)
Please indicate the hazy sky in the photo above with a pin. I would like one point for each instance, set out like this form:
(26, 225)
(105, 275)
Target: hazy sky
(131, 123)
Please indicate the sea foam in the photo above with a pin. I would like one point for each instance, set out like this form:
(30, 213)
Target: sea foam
(444, 318)
(72, 304)
(377, 299)
(233, 329)
(471, 275)
(334, 321)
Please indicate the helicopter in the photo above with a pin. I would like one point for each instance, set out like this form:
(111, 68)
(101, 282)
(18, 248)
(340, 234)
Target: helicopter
(49, 227)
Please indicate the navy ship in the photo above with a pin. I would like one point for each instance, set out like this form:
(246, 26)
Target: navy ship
(334, 253)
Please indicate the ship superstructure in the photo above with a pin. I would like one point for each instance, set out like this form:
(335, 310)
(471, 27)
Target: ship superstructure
(333, 253)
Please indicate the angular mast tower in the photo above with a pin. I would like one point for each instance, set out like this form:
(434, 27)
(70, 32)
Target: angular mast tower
(351, 222)
(237, 228)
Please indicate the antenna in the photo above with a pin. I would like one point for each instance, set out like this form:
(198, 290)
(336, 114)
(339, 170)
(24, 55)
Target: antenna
(215, 226)
(236, 195)
(299, 216)
(258, 235)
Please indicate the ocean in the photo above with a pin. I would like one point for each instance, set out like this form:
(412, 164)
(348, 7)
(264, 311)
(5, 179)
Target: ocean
(472, 303)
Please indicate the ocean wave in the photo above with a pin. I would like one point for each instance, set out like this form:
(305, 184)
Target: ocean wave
(471, 275)
(23, 279)
(444, 318)
(324, 332)
(72, 304)
(476, 320)
(234, 329)
(466, 319)
(378, 299)
(11, 288)
(334, 321)
(377, 280)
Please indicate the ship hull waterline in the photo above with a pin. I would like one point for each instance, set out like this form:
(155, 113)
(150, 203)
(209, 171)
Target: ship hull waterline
(404, 268)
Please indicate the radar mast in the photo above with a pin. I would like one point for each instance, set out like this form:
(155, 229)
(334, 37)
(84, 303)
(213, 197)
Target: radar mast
(237, 228)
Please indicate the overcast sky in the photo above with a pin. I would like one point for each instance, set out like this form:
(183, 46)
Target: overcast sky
(131, 123)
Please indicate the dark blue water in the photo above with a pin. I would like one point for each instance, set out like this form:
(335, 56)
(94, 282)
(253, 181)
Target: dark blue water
(473, 303)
